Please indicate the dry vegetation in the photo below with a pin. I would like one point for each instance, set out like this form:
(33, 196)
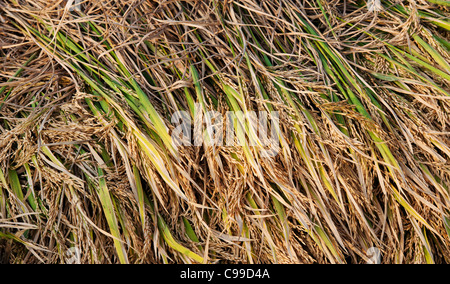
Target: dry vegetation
(87, 161)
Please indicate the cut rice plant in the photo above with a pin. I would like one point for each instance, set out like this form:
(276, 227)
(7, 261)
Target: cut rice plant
(358, 157)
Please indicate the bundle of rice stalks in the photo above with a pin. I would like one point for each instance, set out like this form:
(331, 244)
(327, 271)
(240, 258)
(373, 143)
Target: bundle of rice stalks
(89, 103)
